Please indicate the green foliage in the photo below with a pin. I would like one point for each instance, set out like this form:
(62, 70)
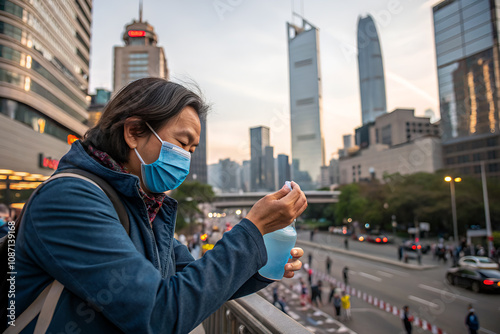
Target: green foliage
(189, 195)
(419, 197)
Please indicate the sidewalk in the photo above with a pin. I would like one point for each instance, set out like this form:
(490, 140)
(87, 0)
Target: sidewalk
(365, 256)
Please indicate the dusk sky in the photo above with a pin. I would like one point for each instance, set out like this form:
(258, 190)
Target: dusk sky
(236, 51)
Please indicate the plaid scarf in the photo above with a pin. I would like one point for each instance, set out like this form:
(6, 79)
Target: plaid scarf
(153, 202)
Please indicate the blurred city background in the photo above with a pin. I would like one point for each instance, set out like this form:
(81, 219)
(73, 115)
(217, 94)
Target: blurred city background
(385, 112)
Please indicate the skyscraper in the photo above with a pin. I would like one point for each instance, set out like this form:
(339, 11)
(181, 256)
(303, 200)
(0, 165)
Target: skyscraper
(306, 103)
(371, 71)
(198, 168)
(140, 57)
(467, 54)
(283, 170)
(269, 175)
(259, 139)
(44, 67)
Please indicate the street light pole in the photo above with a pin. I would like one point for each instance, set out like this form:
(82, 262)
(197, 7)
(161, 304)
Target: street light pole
(453, 206)
(489, 235)
(454, 211)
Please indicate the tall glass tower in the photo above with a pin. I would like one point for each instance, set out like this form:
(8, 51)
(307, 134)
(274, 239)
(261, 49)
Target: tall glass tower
(467, 56)
(371, 71)
(306, 103)
(259, 140)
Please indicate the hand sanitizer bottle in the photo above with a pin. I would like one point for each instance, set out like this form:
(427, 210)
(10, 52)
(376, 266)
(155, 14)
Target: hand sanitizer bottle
(278, 245)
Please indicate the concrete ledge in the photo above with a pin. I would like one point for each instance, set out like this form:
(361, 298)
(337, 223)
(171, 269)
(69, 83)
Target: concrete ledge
(366, 256)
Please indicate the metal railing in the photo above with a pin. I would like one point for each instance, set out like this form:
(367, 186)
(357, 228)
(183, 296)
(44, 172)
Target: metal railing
(251, 315)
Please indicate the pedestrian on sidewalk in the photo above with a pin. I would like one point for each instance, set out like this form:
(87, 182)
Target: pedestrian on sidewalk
(332, 292)
(345, 273)
(309, 259)
(316, 294)
(407, 319)
(472, 321)
(346, 305)
(328, 264)
(303, 292)
(346, 243)
(337, 303)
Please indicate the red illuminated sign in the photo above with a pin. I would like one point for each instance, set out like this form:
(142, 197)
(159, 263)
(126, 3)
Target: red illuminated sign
(136, 33)
(72, 139)
(47, 162)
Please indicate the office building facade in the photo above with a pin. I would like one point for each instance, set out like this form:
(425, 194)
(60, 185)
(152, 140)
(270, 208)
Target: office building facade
(284, 173)
(371, 71)
(306, 103)
(400, 142)
(44, 69)
(467, 56)
(140, 57)
(259, 140)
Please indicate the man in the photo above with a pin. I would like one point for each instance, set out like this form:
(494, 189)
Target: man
(316, 294)
(471, 321)
(407, 319)
(345, 273)
(145, 281)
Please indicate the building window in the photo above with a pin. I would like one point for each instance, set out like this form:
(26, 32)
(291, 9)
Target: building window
(476, 157)
(492, 155)
(493, 167)
(11, 31)
(138, 55)
(303, 102)
(31, 117)
(302, 63)
(11, 8)
(450, 161)
(477, 169)
(491, 141)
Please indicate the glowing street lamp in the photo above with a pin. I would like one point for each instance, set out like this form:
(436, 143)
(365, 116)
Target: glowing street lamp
(453, 205)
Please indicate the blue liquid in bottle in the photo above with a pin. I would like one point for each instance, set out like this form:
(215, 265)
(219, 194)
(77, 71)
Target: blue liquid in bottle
(278, 245)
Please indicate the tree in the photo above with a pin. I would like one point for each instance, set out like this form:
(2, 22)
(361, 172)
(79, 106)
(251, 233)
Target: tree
(190, 195)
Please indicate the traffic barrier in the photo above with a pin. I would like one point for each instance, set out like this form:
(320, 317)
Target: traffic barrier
(417, 322)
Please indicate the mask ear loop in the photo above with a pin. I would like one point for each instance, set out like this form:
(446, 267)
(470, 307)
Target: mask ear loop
(150, 128)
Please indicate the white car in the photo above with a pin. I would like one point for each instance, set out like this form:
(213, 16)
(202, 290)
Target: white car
(481, 262)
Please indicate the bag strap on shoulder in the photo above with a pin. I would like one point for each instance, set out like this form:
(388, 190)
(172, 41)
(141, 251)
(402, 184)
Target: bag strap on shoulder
(104, 186)
(46, 302)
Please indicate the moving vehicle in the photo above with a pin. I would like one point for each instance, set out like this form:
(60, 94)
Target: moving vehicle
(410, 245)
(377, 239)
(476, 279)
(481, 262)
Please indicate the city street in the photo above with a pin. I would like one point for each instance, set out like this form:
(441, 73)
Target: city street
(425, 291)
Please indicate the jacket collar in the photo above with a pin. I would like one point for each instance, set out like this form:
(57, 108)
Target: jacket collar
(77, 157)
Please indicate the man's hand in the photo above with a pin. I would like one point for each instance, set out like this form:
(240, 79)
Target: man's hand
(294, 264)
(279, 209)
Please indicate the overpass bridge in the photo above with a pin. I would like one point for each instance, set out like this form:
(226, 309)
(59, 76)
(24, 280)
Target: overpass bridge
(247, 200)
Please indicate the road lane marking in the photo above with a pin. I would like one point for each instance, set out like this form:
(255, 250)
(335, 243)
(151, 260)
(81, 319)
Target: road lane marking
(375, 278)
(447, 293)
(486, 331)
(394, 271)
(383, 273)
(423, 301)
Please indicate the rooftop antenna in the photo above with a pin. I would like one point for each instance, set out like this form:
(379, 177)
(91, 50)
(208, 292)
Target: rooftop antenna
(140, 10)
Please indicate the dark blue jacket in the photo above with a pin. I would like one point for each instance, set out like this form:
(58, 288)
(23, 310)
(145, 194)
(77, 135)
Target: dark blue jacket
(143, 283)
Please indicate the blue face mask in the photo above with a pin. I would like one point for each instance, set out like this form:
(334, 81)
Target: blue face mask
(169, 170)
